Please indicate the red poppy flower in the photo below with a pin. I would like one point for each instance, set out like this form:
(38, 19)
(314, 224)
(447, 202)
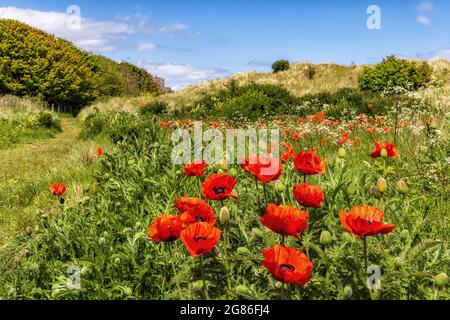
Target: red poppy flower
(194, 210)
(288, 153)
(285, 220)
(264, 169)
(390, 147)
(308, 163)
(58, 189)
(365, 221)
(287, 264)
(165, 228)
(308, 195)
(194, 169)
(99, 152)
(200, 238)
(344, 138)
(218, 186)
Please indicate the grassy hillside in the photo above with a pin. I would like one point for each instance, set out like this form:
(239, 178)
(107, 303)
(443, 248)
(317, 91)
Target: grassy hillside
(327, 78)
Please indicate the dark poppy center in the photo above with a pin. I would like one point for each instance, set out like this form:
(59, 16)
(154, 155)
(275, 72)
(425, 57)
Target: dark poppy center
(219, 190)
(197, 239)
(199, 219)
(285, 266)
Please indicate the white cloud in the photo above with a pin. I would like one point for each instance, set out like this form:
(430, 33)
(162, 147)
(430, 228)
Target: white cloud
(441, 53)
(425, 6)
(424, 20)
(94, 35)
(178, 76)
(172, 28)
(147, 47)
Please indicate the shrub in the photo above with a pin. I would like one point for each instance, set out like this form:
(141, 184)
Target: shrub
(251, 105)
(280, 65)
(393, 72)
(114, 125)
(310, 71)
(154, 107)
(34, 63)
(249, 101)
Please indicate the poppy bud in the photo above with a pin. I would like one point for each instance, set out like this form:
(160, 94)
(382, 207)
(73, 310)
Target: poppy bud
(383, 153)
(348, 237)
(117, 261)
(199, 284)
(243, 289)
(404, 234)
(348, 292)
(85, 270)
(381, 185)
(224, 166)
(258, 233)
(342, 153)
(101, 241)
(325, 238)
(279, 186)
(224, 215)
(402, 187)
(398, 262)
(28, 231)
(278, 284)
(242, 250)
(127, 291)
(233, 172)
(351, 261)
(441, 280)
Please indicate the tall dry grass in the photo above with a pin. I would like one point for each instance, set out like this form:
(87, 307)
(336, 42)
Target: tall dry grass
(11, 104)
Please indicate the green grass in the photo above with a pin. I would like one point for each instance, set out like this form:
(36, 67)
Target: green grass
(105, 233)
(27, 169)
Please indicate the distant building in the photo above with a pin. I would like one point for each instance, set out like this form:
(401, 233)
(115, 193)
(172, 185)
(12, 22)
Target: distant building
(162, 85)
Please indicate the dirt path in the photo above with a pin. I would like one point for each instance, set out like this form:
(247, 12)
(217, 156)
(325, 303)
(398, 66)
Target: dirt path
(39, 157)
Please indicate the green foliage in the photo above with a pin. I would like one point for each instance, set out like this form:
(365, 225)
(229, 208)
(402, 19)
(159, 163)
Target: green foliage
(280, 65)
(34, 63)
(155, 107)
(248, 101)
(114, 125)
(22, 128)
(393, 72)
(104, 236)
(120, 79)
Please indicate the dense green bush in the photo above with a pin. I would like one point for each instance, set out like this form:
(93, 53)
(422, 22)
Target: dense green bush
(251, 105)
(280, 65)
(393, 72)
(236, 101)
(35, 63)
(114, 125)
(155, 107)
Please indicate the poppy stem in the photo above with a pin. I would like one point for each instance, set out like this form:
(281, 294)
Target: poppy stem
(257, 195)
(225, 251)
(200, 187)
(365, 253)
(265, 193)
(174, 270)
(203, 271)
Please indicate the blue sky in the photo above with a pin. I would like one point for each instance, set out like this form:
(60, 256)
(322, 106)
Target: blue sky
(188, 41)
